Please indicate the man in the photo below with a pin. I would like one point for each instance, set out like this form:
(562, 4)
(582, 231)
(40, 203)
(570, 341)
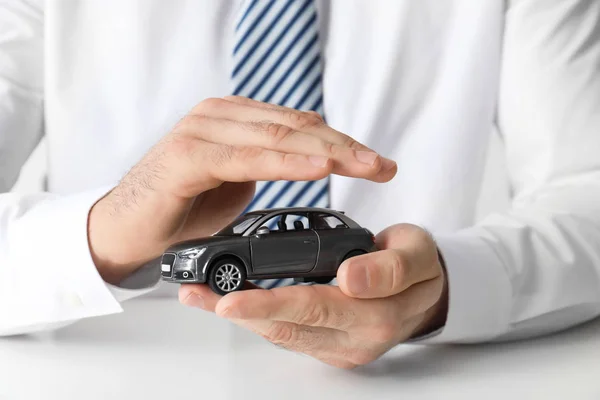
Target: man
(423, 84)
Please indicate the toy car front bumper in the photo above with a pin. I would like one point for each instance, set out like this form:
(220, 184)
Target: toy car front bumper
(176, 269)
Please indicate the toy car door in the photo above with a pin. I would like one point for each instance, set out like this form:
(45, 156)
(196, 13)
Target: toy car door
(289, 246)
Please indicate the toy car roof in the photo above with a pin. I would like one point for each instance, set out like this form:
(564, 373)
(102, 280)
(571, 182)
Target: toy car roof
(297, 209)
(340, 214)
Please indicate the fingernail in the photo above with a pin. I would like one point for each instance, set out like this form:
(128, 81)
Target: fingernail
(358, 279)
(366, 157)
(193, 300)
(387, 164)
(318, 161)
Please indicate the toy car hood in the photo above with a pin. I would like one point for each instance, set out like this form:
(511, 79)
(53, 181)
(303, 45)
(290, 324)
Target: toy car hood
(181, 246)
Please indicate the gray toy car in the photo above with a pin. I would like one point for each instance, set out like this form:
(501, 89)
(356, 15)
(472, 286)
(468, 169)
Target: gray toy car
(307, 244)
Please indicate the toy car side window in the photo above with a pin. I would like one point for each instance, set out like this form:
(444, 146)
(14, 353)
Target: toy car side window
(296, 222)
(275, 224)
(287, 222)
(327, 221)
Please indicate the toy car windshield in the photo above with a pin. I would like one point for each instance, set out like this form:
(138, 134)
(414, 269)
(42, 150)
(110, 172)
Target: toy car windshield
(240, 225)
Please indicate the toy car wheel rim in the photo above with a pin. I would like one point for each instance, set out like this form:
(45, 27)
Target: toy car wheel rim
(228, 277)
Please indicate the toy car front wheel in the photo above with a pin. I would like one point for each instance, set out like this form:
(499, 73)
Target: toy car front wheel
(226, 276)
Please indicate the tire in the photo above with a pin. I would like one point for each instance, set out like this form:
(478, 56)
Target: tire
(353, 253)
(327, 279)
(323, 280)
(226, 276)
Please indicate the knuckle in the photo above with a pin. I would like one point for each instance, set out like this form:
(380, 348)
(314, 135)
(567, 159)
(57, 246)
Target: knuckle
(329, 148)
(281, 334)
(424, 260)
(396, 268)
(277, 133)
(190, 122)
(316, 114)
(187, 123)
(210, 105)
(235, 97)
(351, 143)
(315, 314)
(303, 120)
(281, 161)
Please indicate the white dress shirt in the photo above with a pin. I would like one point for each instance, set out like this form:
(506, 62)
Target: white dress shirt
(424, 82)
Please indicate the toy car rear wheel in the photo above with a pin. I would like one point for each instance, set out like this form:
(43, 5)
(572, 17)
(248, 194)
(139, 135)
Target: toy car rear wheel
(327, 279)
(353, 253)
(323, 280)
(226, 276)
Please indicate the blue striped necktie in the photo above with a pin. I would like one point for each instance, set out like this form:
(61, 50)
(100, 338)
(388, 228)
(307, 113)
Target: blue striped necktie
(277, 59)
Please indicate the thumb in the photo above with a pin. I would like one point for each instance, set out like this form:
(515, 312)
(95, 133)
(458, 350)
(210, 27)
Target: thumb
(392, 270)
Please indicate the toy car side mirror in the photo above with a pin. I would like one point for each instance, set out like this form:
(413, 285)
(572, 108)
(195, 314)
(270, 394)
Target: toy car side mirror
(263, 230)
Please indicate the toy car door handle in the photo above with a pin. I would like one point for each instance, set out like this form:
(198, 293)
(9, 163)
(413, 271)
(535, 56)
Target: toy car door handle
(309, 241)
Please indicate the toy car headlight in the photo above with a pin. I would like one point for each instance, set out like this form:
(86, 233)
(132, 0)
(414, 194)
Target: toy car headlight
(192, 253)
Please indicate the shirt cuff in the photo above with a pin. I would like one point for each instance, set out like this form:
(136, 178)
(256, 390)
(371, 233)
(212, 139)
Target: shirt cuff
(478, 288)
(73, 289)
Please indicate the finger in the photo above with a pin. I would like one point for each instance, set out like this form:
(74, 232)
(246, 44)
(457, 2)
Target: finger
(293, 115)
(393, 270)
(332, 346)
(286, 131)
(382, 274)
(198, 296)
(283, 138)
(296, 337)
(318, 305)
(259, 104)
(328, 345)
(309, 121)
(397, 317)
(373, 323)
(198, 166)
(201, 296)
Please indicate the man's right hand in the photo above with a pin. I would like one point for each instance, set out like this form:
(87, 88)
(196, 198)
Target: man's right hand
(201, 176)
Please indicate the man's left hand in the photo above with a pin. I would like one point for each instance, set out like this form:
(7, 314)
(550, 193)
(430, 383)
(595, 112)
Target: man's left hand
(384, 298)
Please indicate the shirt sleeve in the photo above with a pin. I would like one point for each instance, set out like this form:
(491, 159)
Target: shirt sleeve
(47, 276)
(536, 268)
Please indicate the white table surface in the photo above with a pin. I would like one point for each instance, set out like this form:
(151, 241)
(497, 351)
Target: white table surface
(159, 349)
